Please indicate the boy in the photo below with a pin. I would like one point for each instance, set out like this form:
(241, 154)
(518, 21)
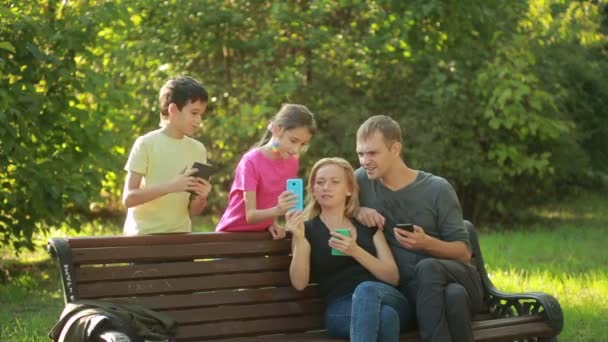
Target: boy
(159, 173)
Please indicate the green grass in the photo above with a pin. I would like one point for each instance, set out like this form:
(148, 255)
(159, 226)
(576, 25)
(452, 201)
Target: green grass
(562, 252)
(31, 299)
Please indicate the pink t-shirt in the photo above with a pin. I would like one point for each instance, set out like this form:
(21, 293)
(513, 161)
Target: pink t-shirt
(266, 177)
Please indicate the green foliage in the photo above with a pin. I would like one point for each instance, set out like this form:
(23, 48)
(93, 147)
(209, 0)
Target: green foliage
(56, 143)
(501, 100)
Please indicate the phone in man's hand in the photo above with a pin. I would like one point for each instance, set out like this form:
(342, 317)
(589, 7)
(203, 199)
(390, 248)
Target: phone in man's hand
(406, 226)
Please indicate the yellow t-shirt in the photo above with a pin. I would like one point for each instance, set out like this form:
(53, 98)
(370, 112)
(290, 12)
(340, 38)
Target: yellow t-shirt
(160, 158)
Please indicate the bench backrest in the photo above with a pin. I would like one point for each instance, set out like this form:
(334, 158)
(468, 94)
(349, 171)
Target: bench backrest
(214, 285)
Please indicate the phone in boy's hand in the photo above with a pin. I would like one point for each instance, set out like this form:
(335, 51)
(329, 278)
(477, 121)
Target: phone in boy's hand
(406, 226)
(204, 171)
(296, 185)
(344, 232)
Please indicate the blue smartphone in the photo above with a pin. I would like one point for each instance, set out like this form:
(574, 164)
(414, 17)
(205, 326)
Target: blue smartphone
(296, 185)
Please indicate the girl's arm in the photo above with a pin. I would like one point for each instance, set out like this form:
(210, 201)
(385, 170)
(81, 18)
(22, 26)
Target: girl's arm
(254, 215)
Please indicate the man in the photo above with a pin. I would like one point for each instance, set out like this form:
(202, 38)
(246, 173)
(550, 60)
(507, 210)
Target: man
(433, 259)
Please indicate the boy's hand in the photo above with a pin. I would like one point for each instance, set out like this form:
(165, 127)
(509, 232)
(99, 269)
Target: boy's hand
(184, 182)
(277, 232)
(202, 188)
(286, 201)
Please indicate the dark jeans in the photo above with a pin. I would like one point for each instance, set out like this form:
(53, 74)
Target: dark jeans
(373, 312)
(447, 294)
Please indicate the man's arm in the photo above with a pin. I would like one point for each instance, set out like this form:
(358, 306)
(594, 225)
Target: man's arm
(453, 243)
(370, 217)
(419, 240)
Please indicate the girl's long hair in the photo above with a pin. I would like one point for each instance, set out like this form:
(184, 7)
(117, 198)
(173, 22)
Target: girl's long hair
(290, 116)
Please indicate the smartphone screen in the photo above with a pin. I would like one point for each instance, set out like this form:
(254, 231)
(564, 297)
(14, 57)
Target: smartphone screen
(344, 232)
(406, 226)
(204, 170)
(296, 185)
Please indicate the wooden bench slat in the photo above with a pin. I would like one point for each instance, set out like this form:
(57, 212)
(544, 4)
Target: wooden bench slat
(319, 336)
(250, 327)
(482, 330)
(482, 315)
(182, 285)
(227, 297)
(232, 312)
(109, 255)
(186, 268)
(163, 239)
(514, 332)
(505, 322)
(315, 336)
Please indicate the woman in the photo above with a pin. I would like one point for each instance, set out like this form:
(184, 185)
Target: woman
(361, 302)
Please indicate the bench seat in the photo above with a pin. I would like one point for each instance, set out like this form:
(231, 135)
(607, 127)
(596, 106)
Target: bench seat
(235, 287)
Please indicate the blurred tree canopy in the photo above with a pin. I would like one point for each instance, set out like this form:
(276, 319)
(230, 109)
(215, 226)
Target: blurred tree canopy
(506, 101)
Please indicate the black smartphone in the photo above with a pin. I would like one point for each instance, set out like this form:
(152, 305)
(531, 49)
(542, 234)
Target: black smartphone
(204, 170)
(406, 226)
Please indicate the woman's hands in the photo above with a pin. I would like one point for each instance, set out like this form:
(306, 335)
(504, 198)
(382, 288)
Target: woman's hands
(345, 244)
(295, 223)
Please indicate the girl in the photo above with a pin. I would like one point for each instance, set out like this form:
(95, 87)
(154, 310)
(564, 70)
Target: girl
(360, 300)
(257, 196)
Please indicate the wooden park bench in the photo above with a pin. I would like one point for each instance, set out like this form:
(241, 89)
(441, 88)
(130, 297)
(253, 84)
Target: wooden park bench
(235, 287)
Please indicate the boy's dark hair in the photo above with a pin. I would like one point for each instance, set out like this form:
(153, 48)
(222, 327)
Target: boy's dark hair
(180, 90)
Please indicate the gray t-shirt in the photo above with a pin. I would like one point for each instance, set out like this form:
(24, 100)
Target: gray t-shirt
(429, 202)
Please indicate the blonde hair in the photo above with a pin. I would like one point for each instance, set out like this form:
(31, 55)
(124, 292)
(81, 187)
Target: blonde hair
(352, 202)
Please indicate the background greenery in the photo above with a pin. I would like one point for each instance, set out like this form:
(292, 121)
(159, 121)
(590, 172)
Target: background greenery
(504, 99)
(507, 101)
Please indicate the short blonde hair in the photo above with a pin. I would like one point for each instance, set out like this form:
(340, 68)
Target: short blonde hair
(389, 128)
(352, 202)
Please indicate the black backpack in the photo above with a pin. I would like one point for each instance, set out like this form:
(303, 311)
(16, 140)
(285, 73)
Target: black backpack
(95, 321)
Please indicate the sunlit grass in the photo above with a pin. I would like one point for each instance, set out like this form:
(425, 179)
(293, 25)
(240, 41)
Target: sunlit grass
(31, 300)
(564, 254)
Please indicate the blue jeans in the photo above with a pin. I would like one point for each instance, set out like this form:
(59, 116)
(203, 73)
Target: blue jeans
(374, 311)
